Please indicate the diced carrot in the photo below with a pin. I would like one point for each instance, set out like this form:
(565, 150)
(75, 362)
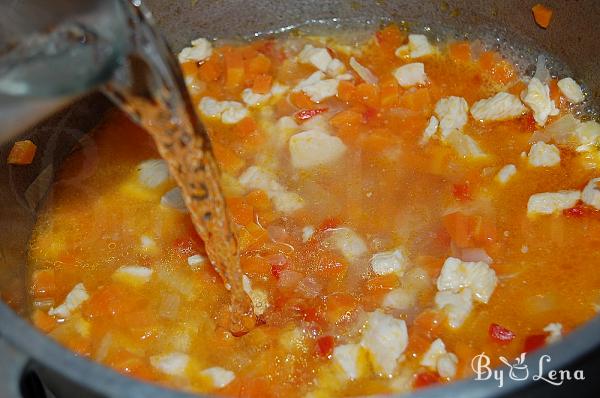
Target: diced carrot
(468, 231)
(390, 94)
(43, 283)
(367, 94)
(325, 346)
(346, 90)
(383, 282)
(240, 211)
(245, 127)
(554, 91)
(338, 306)
(227, 159)
(112, 300)
(517, 88)
(459, 226)
(79, 345)
(259, 200)
(499, 71)
(248, 52)
(43, 321)
(390, 38)
(255, 265)
(306, 114)
(542, 15)
(22, 153)
(418, 100)
(487, 60)
(261, 64)
(235, 69)
(253, 235)
(262, 83)
(211, 69)
(378, 140)
(189, 68)
(460, 51)
(439, 157)
(347, 118)
(302, 101)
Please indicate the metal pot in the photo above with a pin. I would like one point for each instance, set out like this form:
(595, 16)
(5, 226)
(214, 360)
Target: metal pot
(32, 365)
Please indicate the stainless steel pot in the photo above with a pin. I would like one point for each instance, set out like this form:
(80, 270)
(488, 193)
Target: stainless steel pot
(27, 356)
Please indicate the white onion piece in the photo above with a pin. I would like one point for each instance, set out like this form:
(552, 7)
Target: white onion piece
(363, 72)
(174, 200)
(559, 131)
(103, 347)
(153, 172)
(288, 279)
(475, 255)
(541, 72)
(309, 287)
(169, 306)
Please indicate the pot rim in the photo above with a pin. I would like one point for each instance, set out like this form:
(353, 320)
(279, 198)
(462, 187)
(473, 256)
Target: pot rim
(103, 380)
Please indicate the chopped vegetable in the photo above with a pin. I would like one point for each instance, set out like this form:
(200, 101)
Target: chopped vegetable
(500, 333)
(22, 153)
(542, 15)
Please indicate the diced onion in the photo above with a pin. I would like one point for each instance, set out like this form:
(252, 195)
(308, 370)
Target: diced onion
(169, 306)
(363, 72)
(174, 200)
(309, 287)
(559, 131)
(475, 255)
(541, 72)
(288, 279)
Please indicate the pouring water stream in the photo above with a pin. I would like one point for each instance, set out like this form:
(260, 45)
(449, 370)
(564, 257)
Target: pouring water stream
(149, 87)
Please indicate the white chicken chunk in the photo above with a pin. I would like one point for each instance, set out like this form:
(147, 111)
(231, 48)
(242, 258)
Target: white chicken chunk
(318, 57)
(134, 275)
(478, 277)
(452, 114)
(349, 243)
(419, 46)
(571, 90)
(385, 338)
(457, 306)
(173, 364)
(218, 376)
(537, 98)
(465, 145)
(200, 50)
(77, 296)
(551, 202)
(430, 130)
(348, 357)
(502, 106)
(313, 148)
(393, 261)
(506, 173)
(543, 155)
(411, 74)
(591, 193)
(438, 359)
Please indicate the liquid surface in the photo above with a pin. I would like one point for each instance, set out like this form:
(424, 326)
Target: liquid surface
(379, 265)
